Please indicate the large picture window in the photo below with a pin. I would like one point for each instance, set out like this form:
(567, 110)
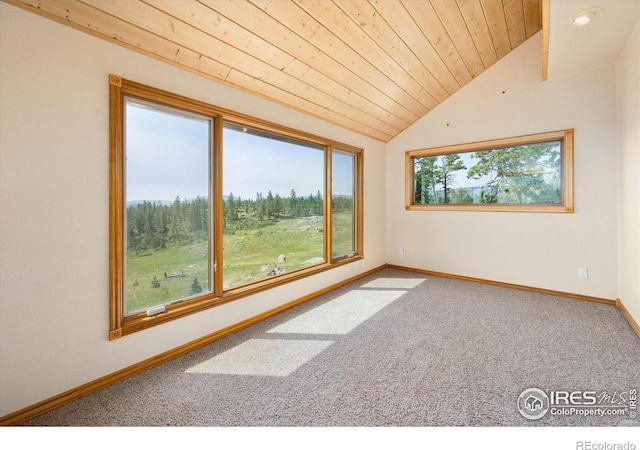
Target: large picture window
(270, 225)
(167, 199)
(208, 206)
(527, 173)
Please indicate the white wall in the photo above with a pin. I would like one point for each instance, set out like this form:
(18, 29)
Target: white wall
(541, 250)
(54, 187)
(628, 76)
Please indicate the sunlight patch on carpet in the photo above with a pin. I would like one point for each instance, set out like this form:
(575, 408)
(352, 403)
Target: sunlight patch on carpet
(395, 283)
(340, 316)
(262, 357)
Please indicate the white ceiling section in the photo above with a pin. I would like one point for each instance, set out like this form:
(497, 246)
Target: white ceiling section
(574, 49)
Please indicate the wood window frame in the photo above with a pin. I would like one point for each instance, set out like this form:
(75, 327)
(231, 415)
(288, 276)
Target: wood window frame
(566, 196)
(119, 323)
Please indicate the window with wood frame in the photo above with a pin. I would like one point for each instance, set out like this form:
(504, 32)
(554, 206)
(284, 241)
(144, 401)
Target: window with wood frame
(531, 173)
(208, 205)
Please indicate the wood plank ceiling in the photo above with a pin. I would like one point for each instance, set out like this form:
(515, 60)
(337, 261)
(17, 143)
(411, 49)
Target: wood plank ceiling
(374, 67)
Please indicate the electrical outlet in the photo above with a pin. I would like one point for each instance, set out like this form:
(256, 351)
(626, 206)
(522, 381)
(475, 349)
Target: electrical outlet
(583, 273)
(401, 251)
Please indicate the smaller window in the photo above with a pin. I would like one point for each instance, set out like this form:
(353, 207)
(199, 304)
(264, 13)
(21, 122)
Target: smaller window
(344, 217)
(528, 173)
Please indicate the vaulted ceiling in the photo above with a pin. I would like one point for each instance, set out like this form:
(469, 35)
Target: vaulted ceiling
(374, 67)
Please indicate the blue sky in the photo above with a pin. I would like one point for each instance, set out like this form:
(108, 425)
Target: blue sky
(254, 164)
(167, 156)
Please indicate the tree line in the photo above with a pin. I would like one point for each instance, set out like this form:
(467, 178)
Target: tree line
(156, 225)
(264, 210)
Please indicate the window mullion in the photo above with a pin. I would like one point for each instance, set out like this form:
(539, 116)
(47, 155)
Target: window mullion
(328, 203)
(216, 216)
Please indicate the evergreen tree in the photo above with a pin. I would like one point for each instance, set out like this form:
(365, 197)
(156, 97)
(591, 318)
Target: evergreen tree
(195, 288)
(176, 234)
(318, 204)
(425, 180)
(291, 204)
(521, 174)
(261, 207)
(269, 204)
(445, 170)
(230, 209)
(277, 205)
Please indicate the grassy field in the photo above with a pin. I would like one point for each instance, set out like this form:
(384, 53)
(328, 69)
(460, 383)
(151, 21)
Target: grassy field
(249, 256)
(191, 260)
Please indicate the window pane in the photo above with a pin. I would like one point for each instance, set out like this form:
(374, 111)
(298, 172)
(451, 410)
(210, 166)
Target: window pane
(343, 204)
(273, 205)
(521, 175)
(167, 200)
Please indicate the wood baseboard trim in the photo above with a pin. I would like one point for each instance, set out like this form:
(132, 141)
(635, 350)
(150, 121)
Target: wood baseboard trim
(627, 315)
(42, 407)
(508, 285)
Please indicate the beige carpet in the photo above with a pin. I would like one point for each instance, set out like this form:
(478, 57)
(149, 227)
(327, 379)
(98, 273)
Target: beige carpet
(393, 349)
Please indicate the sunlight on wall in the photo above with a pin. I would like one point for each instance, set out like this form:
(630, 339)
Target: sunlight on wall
(273, 356)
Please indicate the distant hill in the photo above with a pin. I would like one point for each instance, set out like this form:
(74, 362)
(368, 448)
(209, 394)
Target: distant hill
(157, 202)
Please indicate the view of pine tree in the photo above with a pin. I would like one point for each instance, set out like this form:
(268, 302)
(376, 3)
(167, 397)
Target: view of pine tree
(263, 211)
(230, 214)
(292, 203)
(434, 171)
(522, 174)
(318, 204)
(152, 225)
(277, 205)
(195, 288)
(269, 202)
(525, 174)
(425, 179)
(446, 168)
(155, 225)
(169, 242)
(342, 204)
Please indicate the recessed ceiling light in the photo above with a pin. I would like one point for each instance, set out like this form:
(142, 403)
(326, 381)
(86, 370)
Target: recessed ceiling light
(585, 17)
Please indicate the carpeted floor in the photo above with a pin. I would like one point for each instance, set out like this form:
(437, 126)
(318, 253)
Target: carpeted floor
(393, 349)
